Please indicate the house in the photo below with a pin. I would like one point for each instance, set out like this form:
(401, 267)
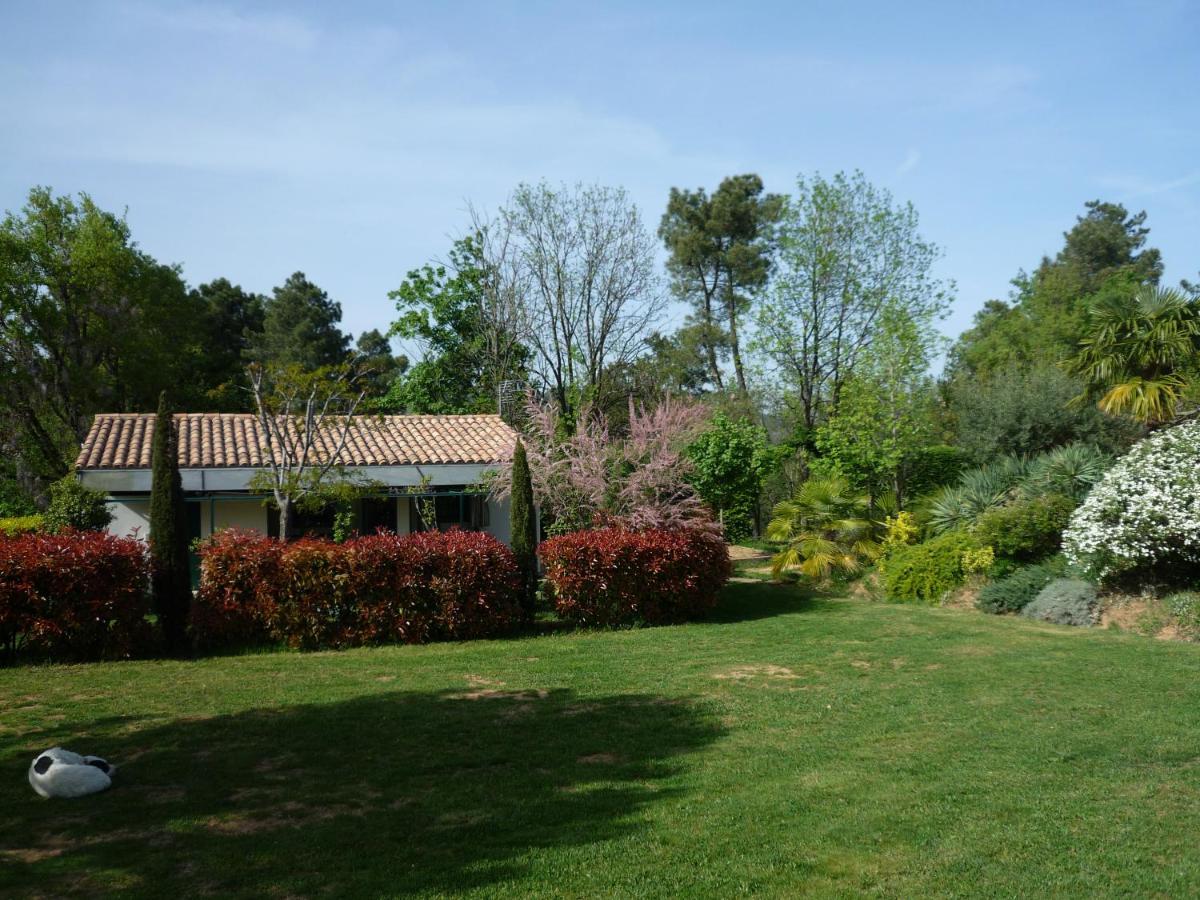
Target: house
(436, 461)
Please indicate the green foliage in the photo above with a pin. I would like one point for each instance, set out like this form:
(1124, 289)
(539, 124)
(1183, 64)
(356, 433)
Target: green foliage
(959, 506)
(380, 367)
(1019, 411)
(88, 323)
(884, 417)
(1103, 254)
(170, 575)
(1184, 607)
(848, 254)
(825, 528)
(720, 253)
(730, 461)
(1026, 530)
(233, 321)
(1138, 355)
(1065, 601)
(1069, 471)
(523, 526)
(14, 525)
(978, 561)
(1013, 593)
(900, 530)
(466, 354)
(300, 328)
(74, 506)
(15, 499)
(929, 468)
(925, 573)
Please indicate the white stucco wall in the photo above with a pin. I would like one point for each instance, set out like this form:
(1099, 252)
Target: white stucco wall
(249, 513)
(131, 514)
(130, 517)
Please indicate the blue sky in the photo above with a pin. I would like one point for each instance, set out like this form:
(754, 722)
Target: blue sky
(252, 140)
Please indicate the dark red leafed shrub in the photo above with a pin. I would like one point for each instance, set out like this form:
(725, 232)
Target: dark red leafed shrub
(613, 577)
(75, 595)
(235, 602)
(371, 590)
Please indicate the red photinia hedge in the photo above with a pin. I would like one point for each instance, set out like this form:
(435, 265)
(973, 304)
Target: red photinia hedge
(371, 590)
(610, 576)
(76, 595)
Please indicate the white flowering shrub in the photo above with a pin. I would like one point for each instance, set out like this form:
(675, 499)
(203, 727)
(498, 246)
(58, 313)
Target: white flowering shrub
(1145, 512)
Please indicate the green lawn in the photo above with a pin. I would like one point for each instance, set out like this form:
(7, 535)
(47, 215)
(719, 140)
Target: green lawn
(787, 746)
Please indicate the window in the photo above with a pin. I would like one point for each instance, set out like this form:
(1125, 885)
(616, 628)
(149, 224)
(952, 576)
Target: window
(453, 508)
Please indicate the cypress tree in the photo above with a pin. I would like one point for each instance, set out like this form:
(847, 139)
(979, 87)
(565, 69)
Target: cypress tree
(170, 576)
(523, 526)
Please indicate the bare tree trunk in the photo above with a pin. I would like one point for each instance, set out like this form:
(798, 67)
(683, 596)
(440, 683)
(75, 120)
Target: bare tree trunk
(735, 348)
(285, 516)
(710, 345)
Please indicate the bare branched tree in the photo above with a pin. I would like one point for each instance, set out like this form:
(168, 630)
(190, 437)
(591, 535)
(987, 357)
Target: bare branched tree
(305, 421)
(576, 265)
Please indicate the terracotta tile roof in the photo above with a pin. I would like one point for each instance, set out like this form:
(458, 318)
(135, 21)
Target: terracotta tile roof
(234, 440)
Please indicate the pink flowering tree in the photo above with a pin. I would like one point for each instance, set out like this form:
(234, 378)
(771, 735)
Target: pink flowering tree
(592, 477)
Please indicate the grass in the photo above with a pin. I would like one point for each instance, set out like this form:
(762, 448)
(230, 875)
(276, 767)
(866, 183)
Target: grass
(788, 746)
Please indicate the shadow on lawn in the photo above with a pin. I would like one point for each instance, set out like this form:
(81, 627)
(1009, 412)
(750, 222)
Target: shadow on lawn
(748, 601)
(386, 794)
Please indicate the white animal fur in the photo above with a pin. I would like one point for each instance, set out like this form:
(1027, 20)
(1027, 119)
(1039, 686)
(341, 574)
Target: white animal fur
(69, 774)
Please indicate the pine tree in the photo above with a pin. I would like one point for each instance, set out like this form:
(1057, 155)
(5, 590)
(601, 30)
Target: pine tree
(170, 577)
(523, 526)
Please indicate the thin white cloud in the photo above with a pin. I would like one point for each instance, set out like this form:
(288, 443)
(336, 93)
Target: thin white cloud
(1133, 186)
(912, 159)
(224, 22)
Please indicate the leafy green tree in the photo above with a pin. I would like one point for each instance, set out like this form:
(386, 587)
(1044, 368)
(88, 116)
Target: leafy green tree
(730, 462)
(74, 506)
(1103, 255)
(826, 528)
(169, 566)
(1140, 353)
(467, 347)
(885, 416)
(88, 323)
(523, 524)
(300, 328)
(848, 255)
(720, 253)
(1023, 411)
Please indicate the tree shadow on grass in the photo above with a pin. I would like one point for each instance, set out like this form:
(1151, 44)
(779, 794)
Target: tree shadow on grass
(748, 601)
(381, 795)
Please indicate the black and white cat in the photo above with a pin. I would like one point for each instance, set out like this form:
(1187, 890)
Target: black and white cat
(61, 773)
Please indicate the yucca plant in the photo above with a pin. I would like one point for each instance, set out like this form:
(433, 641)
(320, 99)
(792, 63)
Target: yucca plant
(826, 528)
(1070, 471)
(1141, 353)
(979, 490)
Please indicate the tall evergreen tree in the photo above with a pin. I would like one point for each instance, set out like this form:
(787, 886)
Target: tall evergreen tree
(300, 328)
(170, 578)
(524, 526)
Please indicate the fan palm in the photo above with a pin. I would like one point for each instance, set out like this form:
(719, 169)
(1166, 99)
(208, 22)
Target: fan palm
(825, 527)
(1138, 356)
